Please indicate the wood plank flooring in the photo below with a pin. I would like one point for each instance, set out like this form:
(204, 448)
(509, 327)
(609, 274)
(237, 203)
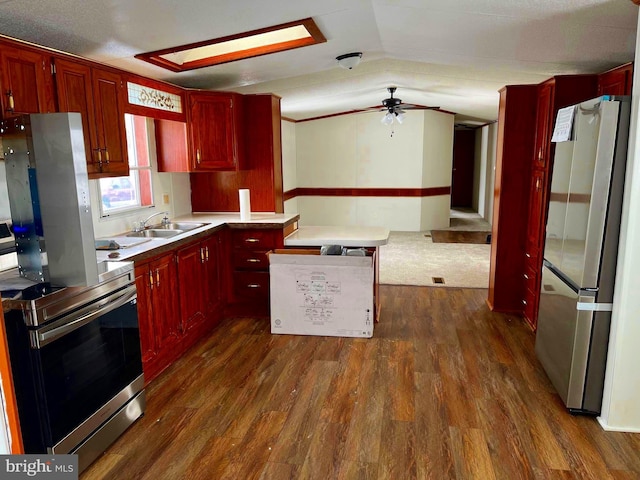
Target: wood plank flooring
(445, 390)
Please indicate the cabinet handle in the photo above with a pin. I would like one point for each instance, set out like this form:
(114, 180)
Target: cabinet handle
(526, 276)
(198, 156)
(528, 255)
(524, 302)
(253, 285)
(106, 156)
(99, 156)
(252, 240)
(158, 278)
(12, 104)
(538, 184)
(253, 260)
(206, 251)
(201, 255)
(151, 279)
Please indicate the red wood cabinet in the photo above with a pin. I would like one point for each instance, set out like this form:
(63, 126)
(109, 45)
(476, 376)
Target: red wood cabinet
(617, 81)
(27, 85)
(199, 284)
(179, 300)
(98, 96)
(215, 124)
(248, 274)
(555, 93)
(158, 314)
(262, 171)
(516, 135)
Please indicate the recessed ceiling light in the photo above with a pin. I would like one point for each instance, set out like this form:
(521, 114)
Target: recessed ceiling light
(277, 38)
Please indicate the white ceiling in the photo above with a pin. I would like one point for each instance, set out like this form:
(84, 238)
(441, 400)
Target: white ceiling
(455, 54)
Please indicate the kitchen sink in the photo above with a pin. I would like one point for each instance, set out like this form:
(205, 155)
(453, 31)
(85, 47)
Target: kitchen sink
(184, 226)
(156, 232)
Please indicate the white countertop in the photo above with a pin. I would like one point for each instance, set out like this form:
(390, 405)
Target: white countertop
(346, 236)
(133, 246)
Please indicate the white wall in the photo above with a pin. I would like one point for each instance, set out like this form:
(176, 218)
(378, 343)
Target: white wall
(357, 151)
(492, 146)
(289, 165)
(620, 409)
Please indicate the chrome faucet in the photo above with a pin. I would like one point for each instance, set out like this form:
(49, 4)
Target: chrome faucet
(165, 219)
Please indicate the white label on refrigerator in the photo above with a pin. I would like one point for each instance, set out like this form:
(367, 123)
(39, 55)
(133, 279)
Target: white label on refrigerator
(564, 124)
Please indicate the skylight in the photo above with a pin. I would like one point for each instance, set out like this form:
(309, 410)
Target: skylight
(278, 38)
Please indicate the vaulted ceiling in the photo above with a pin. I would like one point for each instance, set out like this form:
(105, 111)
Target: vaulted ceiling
(454, 54)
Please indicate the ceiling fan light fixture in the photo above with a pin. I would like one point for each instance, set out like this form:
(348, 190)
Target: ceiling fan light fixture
(349, 60)
(400, 117)
(387, 119)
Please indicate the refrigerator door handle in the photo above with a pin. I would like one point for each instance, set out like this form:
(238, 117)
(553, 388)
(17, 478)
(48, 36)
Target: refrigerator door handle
(594, 307)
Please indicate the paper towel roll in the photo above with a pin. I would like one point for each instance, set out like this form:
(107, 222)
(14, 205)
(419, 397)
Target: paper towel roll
(245, 204)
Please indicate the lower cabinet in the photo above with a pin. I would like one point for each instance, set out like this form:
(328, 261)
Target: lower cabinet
(199, 288)
(158, 313)
(249, 269)
(178, 300)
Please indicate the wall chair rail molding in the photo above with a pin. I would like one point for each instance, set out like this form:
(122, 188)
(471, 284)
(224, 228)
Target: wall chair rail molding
(366, 192)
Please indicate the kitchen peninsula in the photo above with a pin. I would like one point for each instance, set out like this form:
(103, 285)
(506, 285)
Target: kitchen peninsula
(369, 238)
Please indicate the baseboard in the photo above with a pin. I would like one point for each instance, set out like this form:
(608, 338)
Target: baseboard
(609, 428)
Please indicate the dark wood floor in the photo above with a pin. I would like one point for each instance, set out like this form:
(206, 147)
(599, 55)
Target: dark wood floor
(445, 389)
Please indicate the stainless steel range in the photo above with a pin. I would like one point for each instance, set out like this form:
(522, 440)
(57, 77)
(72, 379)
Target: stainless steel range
(76, 362)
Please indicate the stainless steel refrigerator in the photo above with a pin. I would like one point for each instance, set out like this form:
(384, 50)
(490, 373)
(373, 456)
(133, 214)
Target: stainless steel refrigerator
(581, 248)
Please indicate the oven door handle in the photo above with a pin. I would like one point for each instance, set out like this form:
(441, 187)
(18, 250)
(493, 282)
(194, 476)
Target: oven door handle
(40, 338)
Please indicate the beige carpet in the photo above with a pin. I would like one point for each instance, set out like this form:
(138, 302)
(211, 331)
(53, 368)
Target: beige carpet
(411, 258)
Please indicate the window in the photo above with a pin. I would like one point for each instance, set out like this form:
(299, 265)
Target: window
(122, 194)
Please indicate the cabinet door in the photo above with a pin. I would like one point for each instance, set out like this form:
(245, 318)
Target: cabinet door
(73, 86)
(26, 82)
(213, 132)
(145, 314)
(108, 94)
(212, 292)
(544, 121)
(164, 294)
(191, 284)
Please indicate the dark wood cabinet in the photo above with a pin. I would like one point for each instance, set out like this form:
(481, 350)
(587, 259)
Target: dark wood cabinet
(158, 313)
(179, 300)
(190, 271)
(516, 135)
(554, 94)
(212, 272)
(215, 124)
(199, 285)
(262, 170)
(98, 96)
(27, 85)
(248, 274)
(618, 81)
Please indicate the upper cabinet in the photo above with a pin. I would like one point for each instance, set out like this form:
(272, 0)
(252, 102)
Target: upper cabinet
(26, 81)
(99, 96)
(617, 81)
(215, 128)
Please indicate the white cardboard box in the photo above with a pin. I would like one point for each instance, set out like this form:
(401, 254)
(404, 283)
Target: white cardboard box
(326, 295)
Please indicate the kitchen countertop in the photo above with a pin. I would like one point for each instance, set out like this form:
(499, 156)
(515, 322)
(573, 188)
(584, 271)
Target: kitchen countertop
(140, 248)
(312, 236)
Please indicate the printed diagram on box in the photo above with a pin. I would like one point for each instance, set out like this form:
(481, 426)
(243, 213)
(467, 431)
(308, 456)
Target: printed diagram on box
(318, 297)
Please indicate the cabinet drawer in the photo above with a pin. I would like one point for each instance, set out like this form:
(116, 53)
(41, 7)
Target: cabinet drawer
(256, 239)
(251, 284)
(250, 259)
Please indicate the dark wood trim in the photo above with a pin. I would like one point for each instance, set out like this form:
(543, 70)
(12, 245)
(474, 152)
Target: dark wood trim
(366, 192)
(156, 59)
(287, 119)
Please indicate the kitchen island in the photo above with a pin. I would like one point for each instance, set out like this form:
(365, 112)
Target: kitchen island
(369, 238)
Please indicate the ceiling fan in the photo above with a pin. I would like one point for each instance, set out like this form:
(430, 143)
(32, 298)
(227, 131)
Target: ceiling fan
(395, 110)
